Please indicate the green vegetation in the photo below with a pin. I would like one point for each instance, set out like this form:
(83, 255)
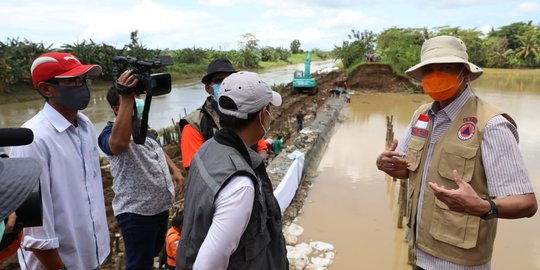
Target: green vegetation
(512, 46)
(16, 58)
(358, 45)
(295, 46)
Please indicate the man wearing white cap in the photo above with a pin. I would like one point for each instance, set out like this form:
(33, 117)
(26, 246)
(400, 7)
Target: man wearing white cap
(463, 164)
(74, 234)
(232, 219)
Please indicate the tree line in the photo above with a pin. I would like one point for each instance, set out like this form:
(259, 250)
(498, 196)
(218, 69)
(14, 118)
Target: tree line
(16, 56)
(516, 45)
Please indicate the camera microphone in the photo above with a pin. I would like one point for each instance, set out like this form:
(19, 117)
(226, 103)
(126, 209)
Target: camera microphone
(15, 136)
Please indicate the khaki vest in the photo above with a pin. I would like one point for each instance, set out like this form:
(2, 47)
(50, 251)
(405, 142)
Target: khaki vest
(455, 237)
(206, 126)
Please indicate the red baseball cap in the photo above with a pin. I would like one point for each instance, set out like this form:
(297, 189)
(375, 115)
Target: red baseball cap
(60, 65)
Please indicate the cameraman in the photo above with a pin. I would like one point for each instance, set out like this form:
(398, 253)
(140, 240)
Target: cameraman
(142, 181)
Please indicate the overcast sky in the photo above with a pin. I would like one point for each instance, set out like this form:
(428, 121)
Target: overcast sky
(219, 24)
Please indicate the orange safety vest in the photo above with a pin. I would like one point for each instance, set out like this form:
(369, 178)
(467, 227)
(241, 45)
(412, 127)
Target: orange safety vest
(173, 236)
(11, 248)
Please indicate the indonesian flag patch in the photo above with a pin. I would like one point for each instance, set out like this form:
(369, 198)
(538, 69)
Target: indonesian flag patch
(422, 122)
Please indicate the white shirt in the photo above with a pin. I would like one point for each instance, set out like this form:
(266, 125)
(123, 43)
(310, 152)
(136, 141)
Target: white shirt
(233, 210)
(74, 220)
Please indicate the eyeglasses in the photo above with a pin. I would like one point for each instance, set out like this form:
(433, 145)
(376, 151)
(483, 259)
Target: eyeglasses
(75, 81)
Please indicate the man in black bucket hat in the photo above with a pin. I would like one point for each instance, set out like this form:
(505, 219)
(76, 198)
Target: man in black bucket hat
(220, 66)
(201, 125)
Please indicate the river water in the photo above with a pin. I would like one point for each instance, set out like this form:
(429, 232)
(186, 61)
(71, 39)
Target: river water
(354, 206)
(185, 96)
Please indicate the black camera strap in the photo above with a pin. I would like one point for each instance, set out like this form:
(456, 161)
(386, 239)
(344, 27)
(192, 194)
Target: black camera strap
(139, 133)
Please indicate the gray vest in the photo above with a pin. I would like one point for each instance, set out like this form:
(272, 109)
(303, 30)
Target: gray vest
(262, 245)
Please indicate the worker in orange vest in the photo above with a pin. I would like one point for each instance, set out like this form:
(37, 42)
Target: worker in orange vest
(173, 236)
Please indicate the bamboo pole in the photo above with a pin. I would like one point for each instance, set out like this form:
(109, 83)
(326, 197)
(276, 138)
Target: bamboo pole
(402, 202)
(389, 133)
(403, 205)
(177, 128)
(389, 130)
(117, 252)
(402, 183)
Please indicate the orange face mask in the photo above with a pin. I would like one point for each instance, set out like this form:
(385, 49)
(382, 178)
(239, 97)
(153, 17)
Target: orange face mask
(441, 85)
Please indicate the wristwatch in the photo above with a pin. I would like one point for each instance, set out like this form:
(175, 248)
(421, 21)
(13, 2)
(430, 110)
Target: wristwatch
(493, 211)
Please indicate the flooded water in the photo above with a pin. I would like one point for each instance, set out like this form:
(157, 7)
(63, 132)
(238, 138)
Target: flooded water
(185, 96)
(353, 206)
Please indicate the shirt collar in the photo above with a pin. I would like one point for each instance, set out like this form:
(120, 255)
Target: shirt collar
(455, 106)
(59, 122)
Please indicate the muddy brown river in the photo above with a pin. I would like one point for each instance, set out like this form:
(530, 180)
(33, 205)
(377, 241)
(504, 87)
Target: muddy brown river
(354, 207)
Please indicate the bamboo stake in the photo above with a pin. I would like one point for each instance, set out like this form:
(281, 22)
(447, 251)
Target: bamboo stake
(402, 202)
(118, 254)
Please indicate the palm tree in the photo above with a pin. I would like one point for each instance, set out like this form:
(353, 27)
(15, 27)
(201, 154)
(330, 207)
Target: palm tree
(498, 52)
(530, 44)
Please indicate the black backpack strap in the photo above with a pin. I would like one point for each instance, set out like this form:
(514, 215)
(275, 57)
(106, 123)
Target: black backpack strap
(207, 125)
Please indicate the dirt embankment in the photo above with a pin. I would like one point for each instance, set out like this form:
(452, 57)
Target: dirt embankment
(381, 78)
(368, 77)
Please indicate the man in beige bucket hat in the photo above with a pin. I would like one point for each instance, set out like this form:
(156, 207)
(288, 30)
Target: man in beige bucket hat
(463, 163)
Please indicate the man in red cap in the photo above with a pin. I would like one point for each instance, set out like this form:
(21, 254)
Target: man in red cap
(74, 234)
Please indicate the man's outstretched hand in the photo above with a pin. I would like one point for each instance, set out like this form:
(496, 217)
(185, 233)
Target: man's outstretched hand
(463, 199)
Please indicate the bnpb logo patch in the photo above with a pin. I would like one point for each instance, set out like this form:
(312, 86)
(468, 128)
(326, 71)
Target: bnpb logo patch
(466, 131)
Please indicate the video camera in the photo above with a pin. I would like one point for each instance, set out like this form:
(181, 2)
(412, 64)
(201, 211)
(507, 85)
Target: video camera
(19, 178)
(156, 84)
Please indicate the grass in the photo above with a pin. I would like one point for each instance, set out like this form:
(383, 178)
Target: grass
(502, 71)
(293, 59)
(301, 57)
(354, 65)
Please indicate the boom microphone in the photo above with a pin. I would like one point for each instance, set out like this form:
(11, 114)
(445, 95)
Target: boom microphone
(15, 136)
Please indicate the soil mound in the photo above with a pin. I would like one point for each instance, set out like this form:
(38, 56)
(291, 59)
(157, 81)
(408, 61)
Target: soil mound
(381, 78)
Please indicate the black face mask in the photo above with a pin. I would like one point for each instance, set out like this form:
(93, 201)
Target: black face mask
(72, 97)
